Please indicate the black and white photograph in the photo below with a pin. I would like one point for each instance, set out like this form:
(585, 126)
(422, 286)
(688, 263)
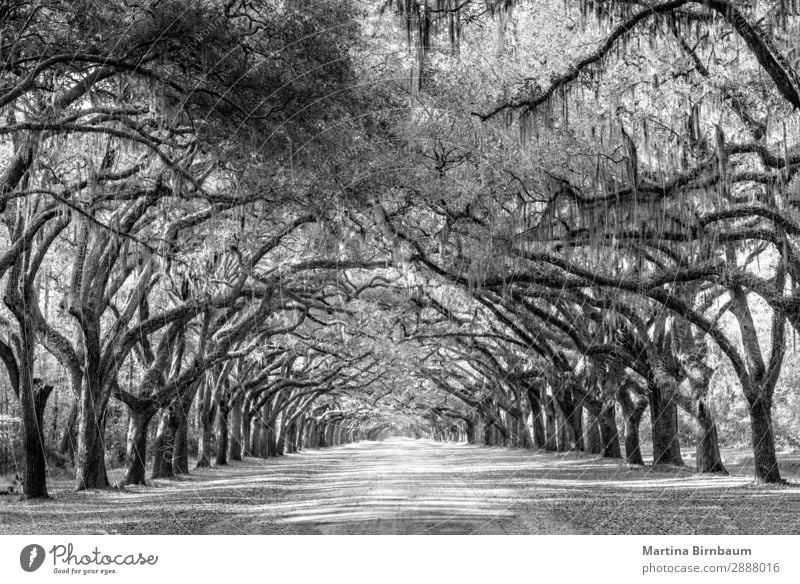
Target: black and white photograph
(400, 268)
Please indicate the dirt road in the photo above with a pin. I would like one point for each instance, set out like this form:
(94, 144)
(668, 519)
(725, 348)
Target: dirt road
(403, 487)
(419, 487)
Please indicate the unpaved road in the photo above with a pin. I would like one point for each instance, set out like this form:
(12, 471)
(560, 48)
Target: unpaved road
(419, 487)
(403, 487)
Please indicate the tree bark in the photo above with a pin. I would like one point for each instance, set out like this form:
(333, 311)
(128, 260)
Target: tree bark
(235, 443)
(164, 446)
(291, 434)
(205, 419)
(664, 422)
(537, 422)
(709, 459)
(256, 441)
(222, 434)
(280, 441)
(487, 432)
(609, 434)
(34, 484)
(573, 418)
(551, 440)
(300, 437)
(593, 441)
(90, 464)
(270, 441)
(180, 448)
(69, 437)
(247, 421)
(632, 412)
(471, 435)
(764, 457)
(136, 448)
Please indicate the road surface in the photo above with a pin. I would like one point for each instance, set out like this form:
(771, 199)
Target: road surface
(403, 486)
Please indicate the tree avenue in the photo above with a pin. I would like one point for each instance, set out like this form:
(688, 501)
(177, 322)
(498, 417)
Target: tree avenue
(242, 229)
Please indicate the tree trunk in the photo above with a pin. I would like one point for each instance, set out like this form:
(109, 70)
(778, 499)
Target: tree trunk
(331, 436)
(281, 439)
(312, 440)
(69, 436)
(222, 434)
(247, 420)
(487, 432)
(136, 448)
(609, 434)
(551, 441)
(471, 435)
(632, 411)
(593, 441)
(664, 422)
(537, 421)
(205, 421)
(90, 464)
(255, 437)
(709, 459)
(564, 437)
(269, 438)
(763, 440)
(235, 443)
(300, 437)
(291, 434)
(33, 399)
(180, 448)
(204, 450)
(164, 446)
(573, 418)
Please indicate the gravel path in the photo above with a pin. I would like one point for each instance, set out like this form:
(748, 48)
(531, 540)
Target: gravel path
(419, 487)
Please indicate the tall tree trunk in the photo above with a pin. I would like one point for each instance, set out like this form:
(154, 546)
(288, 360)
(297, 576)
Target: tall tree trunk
(573, 418)
(709, 459)
(551, 441)
(164, 446)
(487, 431)
(537, 419)
(33, 399)
(564, 436)
(280, 441)
(247, 420)
(235, 443)
(180, 449)
(593, 441)
(609, 434)
(664, 423)
(270, 441)
(331, 435)
(522, 431)
(763, 440)
(632, 411)
(299, 441)
(290, 435)
(312, 433)
(69, 437)
(256, 440)
(222, 434)
(90, 464)
(136, 447)
(471, 434)
(205, 420)
(204, 450)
